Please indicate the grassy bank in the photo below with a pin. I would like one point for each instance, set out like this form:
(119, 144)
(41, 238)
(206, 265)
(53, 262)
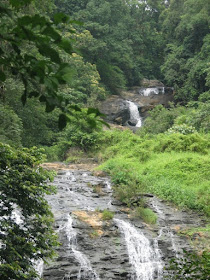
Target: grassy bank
(175, 167)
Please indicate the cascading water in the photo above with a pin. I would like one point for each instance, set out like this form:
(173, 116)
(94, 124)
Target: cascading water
(150, 91)
(134, 114)
(145, 258)
(85, 271)
(124, 254)
(166, 230)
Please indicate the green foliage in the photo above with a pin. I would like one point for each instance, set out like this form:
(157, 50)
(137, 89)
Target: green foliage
(122, 57)
(182, 128)
(179, 142)
(146, 214)
(38, 128)
(111, 76)
(187, 54)
(190, 266)
(176, 170)
(10, 126)
(43, 68)
(23, 186)
(160, 119)
(80, 133)
(107, 215)
(51, 67)
(194, 117)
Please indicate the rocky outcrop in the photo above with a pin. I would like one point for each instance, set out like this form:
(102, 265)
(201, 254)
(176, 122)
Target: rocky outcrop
(94, 248)
(116, 108)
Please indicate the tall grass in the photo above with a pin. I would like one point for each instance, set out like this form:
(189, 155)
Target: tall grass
(175, 167)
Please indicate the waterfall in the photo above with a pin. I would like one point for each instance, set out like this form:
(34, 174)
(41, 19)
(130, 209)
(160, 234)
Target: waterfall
(85, 271)
(145, 258)
(150, 91)
(134, 114)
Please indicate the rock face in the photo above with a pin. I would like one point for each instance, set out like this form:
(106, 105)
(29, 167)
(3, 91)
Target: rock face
(116, 108)
(94, 247)
(151, 83)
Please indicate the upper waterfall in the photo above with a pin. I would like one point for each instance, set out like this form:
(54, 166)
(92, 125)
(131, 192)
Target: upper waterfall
(134, 114)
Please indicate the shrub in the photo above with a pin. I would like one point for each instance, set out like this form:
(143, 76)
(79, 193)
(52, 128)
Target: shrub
(107, 215)
(180, 142)
(146, 214)
(182, 128)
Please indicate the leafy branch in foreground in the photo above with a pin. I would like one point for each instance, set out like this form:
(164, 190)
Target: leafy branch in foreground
(31, 51)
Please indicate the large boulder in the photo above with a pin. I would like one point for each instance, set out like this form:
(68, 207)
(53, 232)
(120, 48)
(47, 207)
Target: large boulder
(116, 109)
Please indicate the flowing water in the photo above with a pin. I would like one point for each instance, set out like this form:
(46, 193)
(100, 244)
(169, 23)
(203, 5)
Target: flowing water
(150, 91)
(85, 270)
(134, 114)
(144, 257)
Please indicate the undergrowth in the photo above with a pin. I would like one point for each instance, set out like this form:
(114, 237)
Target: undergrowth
(175, 167)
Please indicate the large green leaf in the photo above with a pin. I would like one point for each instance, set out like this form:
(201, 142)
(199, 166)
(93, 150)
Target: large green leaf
(47, 51)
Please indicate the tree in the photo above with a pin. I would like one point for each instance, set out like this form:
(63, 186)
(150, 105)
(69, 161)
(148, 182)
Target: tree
(122, 57)
(26, 232)
(186, 28)
(11, 126)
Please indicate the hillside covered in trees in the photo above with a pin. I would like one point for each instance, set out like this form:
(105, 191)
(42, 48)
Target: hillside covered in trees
(58, 61)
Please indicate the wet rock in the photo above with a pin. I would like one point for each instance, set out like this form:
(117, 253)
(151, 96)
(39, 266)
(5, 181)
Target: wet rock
(103, 244)
(116, 109)
(117, 203)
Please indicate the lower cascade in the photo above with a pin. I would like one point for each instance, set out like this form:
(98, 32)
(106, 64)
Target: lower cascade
(120, 248)
(85, 271)
(134, 114)
(145, 258)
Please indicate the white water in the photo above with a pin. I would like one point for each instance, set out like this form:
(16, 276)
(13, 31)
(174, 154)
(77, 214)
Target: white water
(166, 230)
(134, 113)
(145, 258)
(39, 266)
(154, 90)
(85, 271)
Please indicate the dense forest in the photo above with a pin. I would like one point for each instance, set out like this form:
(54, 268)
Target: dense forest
(58, 61)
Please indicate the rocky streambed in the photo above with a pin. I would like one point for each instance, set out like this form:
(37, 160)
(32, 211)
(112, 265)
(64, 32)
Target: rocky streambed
(96, 247)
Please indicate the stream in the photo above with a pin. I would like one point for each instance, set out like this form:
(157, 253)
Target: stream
(120, 248)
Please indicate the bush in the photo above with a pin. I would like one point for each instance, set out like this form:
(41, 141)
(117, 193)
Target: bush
(181, 143)
(107, 215)
(160, 119)
(182, 128)
(146, 214)
(81, 132)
